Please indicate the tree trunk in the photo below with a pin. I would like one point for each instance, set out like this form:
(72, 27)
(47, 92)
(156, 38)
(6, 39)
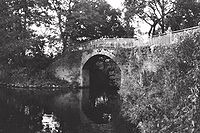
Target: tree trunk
(162, 25)
(163, 17)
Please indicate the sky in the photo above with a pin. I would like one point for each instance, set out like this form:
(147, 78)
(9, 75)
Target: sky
(116, 3)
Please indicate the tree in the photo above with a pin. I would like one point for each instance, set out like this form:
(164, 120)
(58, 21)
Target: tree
(153, 12)
(13, 29)
(16, 36)
(186, 14)
(84, 20)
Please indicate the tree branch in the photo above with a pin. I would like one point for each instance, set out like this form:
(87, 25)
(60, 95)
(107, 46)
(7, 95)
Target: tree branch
(144, 20)
(157, 7)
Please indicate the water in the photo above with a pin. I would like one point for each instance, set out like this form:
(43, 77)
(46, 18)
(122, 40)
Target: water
(38, 110)
(48, 110)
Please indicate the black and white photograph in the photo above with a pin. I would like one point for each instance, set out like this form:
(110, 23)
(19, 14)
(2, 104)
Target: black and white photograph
(99, 66)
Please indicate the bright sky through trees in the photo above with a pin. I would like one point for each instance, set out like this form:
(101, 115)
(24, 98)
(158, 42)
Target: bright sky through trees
(116, 3)
(139, 24)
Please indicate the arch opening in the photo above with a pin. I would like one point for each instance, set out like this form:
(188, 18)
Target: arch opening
(101, 81)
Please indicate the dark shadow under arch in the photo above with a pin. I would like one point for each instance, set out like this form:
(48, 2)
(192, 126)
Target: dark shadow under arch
(101, 82)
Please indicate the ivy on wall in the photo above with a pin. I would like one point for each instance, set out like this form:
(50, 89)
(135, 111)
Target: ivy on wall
(167, 99)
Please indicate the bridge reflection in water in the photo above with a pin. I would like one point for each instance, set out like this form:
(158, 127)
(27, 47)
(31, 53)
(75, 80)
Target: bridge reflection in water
(42, 110)
(102, 79)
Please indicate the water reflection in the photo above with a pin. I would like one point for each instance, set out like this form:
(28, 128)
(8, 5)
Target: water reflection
(101, 104)
(35, 111)
(50, 123)
(47, 110)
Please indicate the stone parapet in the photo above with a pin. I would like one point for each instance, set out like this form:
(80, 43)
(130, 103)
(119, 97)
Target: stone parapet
(169, 38)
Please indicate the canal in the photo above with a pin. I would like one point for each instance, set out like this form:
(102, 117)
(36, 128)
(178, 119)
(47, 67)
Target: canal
(48, 110)
(38, 110)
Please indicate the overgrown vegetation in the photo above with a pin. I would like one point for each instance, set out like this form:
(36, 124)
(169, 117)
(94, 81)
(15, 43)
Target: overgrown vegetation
(65, 23)
(26, 53)
(167, 98)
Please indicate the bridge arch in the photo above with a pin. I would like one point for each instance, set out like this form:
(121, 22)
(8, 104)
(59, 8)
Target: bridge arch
(87, 55)
(99, 88)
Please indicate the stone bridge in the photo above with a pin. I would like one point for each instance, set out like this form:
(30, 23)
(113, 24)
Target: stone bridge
(130, 56)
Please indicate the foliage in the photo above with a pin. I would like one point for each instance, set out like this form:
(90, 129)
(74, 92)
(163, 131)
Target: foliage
(167, 100)
(75, 25)
(21, 51)
(161, 14)
(22, 48)
(186, 14)
(66, 23)
(153, 12)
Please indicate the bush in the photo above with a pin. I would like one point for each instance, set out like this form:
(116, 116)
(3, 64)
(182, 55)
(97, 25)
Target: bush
(167, 99)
